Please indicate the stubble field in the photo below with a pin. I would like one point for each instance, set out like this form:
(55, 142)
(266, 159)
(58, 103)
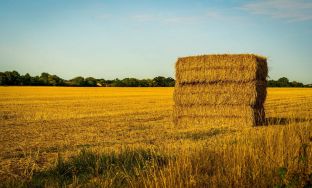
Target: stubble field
(124, 137)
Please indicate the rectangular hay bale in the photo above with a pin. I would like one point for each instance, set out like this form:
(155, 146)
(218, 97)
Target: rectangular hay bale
(220, 89)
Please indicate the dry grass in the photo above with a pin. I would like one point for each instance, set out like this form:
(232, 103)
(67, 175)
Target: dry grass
(51, 136)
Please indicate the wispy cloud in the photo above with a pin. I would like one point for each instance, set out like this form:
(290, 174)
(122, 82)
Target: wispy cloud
(103, 16)
(165, 18)
(203, 16)
(145, 17)
(290, 10)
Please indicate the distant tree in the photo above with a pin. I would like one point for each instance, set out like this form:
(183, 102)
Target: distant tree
(3, 79)
(110, 83)
(130, 82)
(283, 80)
(90, 81)
(271, 83)
(44, 78)
(54, 80)
(170, 82)
(146, 83)
(77, 81)
(159, 81)
(36, 81)
(12, 78)
(102, 82)
(117, 83)
(26, 80)
(296, 84)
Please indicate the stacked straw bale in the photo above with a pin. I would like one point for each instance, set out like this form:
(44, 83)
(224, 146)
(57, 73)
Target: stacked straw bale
(220, 90)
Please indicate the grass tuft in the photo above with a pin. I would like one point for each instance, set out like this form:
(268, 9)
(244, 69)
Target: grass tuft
(121, 168)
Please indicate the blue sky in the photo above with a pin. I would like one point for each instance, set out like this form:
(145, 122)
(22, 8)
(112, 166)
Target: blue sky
(143, 38)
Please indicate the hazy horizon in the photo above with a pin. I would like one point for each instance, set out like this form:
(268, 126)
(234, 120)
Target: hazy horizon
(143, 39)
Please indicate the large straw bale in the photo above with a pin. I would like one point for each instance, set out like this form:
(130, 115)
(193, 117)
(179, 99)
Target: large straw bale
(220, 90)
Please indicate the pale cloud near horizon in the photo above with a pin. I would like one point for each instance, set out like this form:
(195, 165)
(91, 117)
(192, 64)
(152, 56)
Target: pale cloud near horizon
(290, 10)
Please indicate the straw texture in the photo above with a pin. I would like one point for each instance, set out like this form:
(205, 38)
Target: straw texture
(220, 89)
(216, 110)
(251, 93)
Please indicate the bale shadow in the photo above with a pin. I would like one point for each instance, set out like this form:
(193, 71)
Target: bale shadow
(283, 120)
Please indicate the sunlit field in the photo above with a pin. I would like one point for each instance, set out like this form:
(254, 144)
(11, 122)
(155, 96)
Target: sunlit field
(124, 137)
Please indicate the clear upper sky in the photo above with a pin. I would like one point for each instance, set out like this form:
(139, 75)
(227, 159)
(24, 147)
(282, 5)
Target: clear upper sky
(143, 38)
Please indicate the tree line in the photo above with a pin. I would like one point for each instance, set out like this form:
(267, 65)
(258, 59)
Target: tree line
(284, 82)
(13, 78)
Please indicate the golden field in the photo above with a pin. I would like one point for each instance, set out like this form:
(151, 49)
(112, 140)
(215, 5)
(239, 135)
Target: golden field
(124, 137)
